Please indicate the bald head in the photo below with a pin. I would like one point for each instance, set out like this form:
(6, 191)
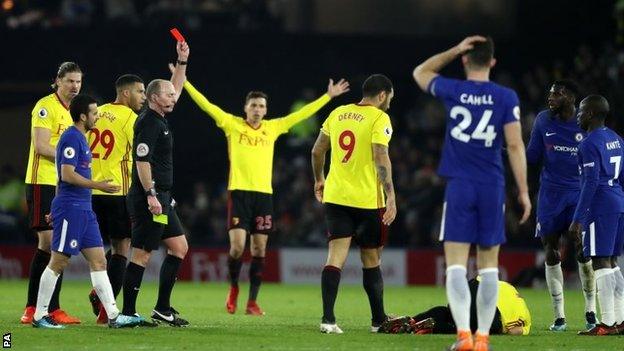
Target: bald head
(597, 105)
(161, 96)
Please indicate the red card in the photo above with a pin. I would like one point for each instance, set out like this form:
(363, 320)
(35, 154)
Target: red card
(176, 34)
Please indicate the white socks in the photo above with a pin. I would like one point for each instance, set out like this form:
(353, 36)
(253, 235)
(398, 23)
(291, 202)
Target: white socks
(554, 280)
(487, 296)
(588, 282)
(102, 287)
(605, 283)
(46, 289)
(458, 295)
(618, 303)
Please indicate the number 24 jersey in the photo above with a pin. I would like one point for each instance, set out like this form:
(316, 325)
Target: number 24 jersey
(352, 180)
(476, 114)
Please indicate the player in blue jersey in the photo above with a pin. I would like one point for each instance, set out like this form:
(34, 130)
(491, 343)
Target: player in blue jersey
(75, 228)
(554, 143)
(479, 113)
(599, 216)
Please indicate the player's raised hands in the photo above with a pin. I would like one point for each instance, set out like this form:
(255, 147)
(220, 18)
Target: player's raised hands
(107, 187)
(341, 87)
(525, 202)
(468, 43)
(183, 50)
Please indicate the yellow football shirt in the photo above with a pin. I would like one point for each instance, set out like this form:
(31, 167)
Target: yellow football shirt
(49, 113)
(352, 180)
(111, 146)
(513, 309)
(251, 150)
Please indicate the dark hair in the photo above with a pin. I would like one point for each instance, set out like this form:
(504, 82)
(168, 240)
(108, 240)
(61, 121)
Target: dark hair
(375, 84)
(80, 105)
(127, 79)
(569, 85)
(255, 95)
(598, 104)
(64, 68)
(482, 53)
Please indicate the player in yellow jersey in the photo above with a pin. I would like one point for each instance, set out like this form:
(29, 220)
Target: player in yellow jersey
(359, 174)
(111, 146)
(251, 142)
(50, 117)
(512, 316)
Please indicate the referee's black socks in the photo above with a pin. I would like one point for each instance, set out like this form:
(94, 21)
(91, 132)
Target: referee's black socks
(168, 274)
(330, 279)
(373, 284)
(131, 286)
(255, 277)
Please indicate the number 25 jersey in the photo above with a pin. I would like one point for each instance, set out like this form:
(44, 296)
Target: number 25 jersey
(476, 114)
(352, 179)
(111, 146)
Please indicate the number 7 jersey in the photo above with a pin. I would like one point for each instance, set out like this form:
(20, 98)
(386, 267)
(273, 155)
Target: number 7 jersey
(111, 146)
(476, 114)
(352, 179)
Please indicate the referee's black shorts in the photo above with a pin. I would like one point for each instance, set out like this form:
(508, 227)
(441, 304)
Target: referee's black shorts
(39, 200)
(364, 225)
(112, 216)
(147, 234)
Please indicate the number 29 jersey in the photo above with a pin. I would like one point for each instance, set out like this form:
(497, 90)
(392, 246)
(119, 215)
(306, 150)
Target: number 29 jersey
(352, 180)
(111, 146)
(476, 114)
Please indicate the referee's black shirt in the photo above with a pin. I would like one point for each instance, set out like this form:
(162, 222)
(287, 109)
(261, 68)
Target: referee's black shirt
(153, 143)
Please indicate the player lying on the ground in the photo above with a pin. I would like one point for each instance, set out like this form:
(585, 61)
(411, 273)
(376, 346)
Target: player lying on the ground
(512, 316)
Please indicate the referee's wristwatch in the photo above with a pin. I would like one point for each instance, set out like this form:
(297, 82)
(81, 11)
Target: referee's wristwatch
(150, 192)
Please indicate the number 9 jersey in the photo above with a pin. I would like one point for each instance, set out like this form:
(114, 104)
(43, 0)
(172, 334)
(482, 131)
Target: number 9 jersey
(352, 179)
(477, 112)
(111, 146)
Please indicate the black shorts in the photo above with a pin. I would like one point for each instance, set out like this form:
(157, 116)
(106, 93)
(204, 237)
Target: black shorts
(251, 211)
(39, 200)
(112, 216)
(364, 225)
(147, 234)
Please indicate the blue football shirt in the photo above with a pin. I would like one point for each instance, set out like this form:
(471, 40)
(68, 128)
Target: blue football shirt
(600, 161)
(555, 143)
(72, 149)
(477, 113)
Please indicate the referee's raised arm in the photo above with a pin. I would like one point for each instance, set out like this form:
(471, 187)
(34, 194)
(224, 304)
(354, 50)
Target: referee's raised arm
(178, 71)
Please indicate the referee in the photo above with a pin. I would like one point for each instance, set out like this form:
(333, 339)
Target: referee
(150, 205)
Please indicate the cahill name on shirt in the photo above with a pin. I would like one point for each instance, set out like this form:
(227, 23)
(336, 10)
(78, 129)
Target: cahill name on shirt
(476, 99)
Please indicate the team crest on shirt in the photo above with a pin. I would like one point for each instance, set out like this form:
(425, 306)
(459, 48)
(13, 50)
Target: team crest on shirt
(69, 152)
(516, 112)
(235, 220)
(142, 150)
(388, 131)
(73, 244)
(43, 113)
(578, 137)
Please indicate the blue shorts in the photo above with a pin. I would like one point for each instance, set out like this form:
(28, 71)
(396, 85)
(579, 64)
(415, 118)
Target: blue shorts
(74, 230)
(603, 236)
(473, 213)
(555, 209)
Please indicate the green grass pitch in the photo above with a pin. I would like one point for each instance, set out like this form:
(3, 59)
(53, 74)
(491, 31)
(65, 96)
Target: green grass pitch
(291, 321)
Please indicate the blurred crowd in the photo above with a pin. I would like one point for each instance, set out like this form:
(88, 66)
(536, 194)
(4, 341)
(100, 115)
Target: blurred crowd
(192, 14)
